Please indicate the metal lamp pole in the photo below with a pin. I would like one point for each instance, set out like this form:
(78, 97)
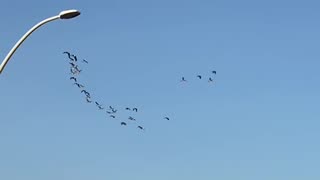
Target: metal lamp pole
(67, 14)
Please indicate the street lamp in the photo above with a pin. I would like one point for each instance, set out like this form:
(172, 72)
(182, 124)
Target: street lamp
(67, 14)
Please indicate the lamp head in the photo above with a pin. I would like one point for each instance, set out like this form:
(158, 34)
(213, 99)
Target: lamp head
(68, 14)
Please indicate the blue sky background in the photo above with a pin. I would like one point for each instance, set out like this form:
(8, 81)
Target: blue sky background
(258, 120)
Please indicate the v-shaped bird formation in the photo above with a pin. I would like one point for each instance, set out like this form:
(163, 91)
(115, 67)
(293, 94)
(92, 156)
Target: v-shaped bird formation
(111, 111)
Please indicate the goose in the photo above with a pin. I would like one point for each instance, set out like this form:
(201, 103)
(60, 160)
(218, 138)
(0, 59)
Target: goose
(131, 118)
(86, 93)
(183, 79)
(72, 64)
(66, 52)
(79, 85)
(123, 123)
(74, 58)
(166, 118)
(73, 71)
(75, 79)
(88, 100)
(77, 68)
(69, 55)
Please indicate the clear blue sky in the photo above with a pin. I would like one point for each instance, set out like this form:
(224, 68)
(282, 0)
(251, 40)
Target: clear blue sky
(258, 120)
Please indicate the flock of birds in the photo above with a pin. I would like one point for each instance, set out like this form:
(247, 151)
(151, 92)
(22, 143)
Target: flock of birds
(210, 79)
(111, 111)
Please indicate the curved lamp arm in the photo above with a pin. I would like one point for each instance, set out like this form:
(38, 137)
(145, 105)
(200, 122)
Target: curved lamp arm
(15, 47)
(63, 15)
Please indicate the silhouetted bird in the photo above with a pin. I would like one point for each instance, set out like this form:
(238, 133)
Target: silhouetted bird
(214, 72)
(74, 57)
(166, 118)
(131, 118)
(88, 100)
(123, 123)
(135, 109)
(72, 64)
(79, 85)
(77, 68)
(199, 76)
(100, 107)
(140, 127)
(108, 112)
(210, 79)
(86, 93)
(183, 79)
(128, 108)
(75, 79)
(73, 71)
(112, 109)
(97, 103)
(69, 55)
(113, 116)
(85, 61)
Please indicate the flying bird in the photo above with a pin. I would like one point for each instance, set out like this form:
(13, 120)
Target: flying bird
(108, 112)
(75, 79)
(85, 61)
(88, 100)
(131, 118)
(123, 123)
(100, 107)
(75, 57)
(66, 52)
(113, 116)
(210, 79)
(128, 108)
(140, 127)
(135, 109)
(77, 68)
(72, 64)
(166, 118)
(73, 71)
(79, 85)
(112, 109)
(183, 79)
(85, 92)
(97, 103)
(214, 72)
(199, 76)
